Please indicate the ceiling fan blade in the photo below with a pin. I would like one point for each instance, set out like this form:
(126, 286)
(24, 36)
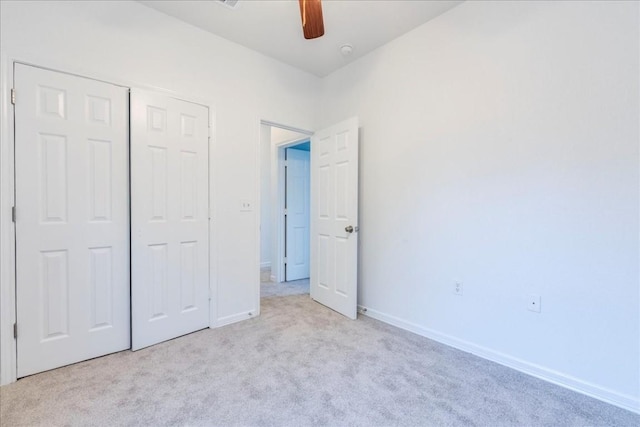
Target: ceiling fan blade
(312, 22)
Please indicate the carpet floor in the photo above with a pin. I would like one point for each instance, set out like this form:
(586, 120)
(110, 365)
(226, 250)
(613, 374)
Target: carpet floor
(295, 287)
(298, 364)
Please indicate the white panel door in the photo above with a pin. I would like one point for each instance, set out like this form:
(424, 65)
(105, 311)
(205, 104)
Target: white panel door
(334, 217)
(169, 218)
(297, 201)
(72, 222)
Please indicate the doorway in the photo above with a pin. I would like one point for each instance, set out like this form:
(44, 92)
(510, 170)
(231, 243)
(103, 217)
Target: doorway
(333, 221)
(284, 216)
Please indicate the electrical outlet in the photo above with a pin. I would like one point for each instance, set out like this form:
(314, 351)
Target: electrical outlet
(457, 288)
(533, 303)
(246, 206)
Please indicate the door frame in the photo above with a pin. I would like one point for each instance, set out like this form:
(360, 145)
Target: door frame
(8, 345)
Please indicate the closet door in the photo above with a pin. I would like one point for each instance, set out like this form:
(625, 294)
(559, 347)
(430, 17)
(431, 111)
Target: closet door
(169, 214)
(72, 219)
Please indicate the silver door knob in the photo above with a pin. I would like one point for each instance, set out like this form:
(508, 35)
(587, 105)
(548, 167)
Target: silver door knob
(349, 229)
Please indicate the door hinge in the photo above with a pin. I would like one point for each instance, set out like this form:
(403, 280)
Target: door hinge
(13, 96)
(286, 211)
(13, 213)
(286, 163)
(285, 260)
(15, 331)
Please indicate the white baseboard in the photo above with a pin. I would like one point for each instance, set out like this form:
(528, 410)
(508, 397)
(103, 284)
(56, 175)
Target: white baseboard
(266, 264)
(624, 401)
(234, 318)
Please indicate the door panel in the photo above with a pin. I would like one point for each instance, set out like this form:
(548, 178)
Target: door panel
(334, 207)
(297, 197)
(72, 223)
(169, 216)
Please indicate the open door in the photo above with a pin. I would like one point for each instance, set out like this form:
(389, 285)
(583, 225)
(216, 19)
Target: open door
(297, 214)
(169, 218)
(334, 217)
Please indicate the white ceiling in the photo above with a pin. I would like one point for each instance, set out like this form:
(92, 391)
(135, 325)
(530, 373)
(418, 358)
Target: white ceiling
(273, 27)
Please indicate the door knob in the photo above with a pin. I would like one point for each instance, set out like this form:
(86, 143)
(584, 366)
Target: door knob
(349, 229)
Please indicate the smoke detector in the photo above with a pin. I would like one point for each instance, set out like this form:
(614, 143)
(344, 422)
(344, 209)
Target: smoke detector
(231, 4)
(346, 50)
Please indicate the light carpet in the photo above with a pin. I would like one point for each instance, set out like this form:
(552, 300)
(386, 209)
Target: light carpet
(298, 364)
(295, 287)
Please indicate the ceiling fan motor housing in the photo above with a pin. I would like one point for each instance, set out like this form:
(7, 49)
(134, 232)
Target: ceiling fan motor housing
(312, 21)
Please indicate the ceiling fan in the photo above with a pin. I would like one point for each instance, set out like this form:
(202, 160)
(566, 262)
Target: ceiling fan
(312, 22)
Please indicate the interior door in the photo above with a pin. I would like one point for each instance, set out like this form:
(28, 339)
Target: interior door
(297, 202)
(334, 217)
(72, 219)
(169, 218)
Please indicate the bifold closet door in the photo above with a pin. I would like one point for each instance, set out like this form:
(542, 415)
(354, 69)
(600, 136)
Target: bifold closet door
(169, 218)
(72, 219)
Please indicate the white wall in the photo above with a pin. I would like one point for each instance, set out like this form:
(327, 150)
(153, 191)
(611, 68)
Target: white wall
(128, 41)
(280, 135)
(500, 148)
